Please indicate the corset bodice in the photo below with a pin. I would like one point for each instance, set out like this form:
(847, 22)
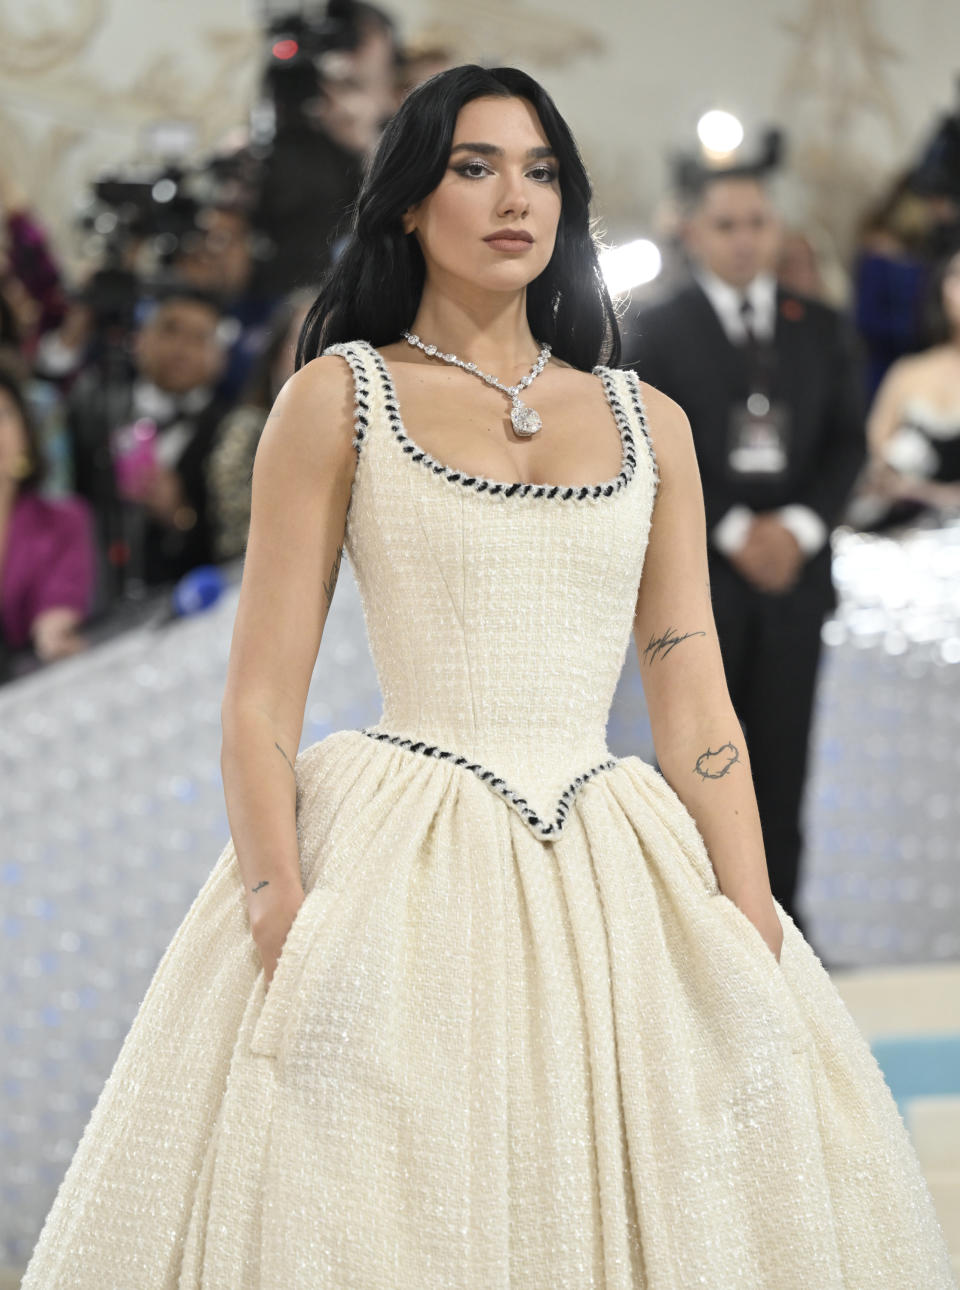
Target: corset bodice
(926, 442)
(498, 614)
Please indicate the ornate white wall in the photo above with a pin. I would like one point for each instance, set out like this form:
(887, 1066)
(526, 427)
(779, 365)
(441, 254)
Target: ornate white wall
(857, 81)
(81, 79)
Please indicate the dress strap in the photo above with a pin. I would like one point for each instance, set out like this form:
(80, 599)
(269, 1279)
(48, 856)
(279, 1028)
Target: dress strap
(627, 384)
(639, 410)
(359, 356)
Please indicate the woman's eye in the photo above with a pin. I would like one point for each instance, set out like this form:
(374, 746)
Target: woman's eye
(477, 169)
(472, 169)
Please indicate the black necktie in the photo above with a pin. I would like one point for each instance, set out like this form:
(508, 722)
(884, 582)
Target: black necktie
(760, 356)
(746, 314)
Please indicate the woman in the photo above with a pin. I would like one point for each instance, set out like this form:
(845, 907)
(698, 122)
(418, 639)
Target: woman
(521, 1029)
(47, 554)
(913, 432)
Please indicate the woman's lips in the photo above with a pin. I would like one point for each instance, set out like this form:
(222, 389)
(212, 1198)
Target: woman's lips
(508, 243)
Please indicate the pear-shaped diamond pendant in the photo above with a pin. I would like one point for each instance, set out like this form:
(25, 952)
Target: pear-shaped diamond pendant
(526, 420)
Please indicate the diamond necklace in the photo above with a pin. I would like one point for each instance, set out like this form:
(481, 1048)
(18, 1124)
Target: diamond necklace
(525, 420)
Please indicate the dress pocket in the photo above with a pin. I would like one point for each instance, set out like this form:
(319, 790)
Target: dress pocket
(783, 985)
(274, 1013)
(752, 932)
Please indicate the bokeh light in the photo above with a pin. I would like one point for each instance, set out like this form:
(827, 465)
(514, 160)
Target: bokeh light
(719, 132)
(631, 265)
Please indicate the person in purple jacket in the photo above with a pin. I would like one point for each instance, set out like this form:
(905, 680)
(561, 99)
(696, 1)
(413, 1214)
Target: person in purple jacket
(47, 553)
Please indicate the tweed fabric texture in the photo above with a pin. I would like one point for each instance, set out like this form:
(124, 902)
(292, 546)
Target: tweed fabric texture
(517, 1039)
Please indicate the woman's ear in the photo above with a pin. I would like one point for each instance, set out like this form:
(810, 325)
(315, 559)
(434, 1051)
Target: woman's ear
(408, 220)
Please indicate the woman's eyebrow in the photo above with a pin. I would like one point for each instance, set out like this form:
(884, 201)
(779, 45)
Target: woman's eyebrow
(491, 150)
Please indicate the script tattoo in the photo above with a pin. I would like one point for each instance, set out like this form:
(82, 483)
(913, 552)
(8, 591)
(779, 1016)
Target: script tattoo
(331, 582)
(263, 883)
(662, 645)
(715, 762)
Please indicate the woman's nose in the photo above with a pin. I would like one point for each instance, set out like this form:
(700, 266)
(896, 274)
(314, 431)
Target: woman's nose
(513, 198)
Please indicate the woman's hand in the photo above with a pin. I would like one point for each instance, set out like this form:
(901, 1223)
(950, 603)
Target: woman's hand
(771, 558)
(772, 932)
(54, 633)
(766, 920)
(163, 495)
(775, 943)
(270, 921)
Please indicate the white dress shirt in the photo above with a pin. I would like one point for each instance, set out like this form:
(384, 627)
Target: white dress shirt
(726, 300)
(173, 414)
(804, 523)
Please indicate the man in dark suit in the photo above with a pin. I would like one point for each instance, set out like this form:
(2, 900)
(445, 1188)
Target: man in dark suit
(771, 383)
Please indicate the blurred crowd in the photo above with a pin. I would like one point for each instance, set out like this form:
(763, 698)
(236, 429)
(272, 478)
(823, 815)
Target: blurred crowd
(133, 395)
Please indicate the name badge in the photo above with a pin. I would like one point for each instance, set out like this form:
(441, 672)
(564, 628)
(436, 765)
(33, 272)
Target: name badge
(758, 438)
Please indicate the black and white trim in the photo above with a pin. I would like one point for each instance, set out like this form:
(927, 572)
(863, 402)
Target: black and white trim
(497, 488)
(640, 411)
(361, 386)
(546, 830)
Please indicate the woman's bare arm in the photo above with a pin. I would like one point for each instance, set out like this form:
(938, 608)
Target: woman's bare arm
(884, 415)
(302, 476)
(698, 739)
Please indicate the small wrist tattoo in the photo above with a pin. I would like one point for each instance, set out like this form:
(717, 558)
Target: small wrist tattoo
(285, 757)
(331, 582)
(262, 883)
(715, 762)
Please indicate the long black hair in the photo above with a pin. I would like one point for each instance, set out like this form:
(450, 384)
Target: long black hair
(373, 291)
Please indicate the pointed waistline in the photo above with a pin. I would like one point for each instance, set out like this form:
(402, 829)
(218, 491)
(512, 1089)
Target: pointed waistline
(544, 829)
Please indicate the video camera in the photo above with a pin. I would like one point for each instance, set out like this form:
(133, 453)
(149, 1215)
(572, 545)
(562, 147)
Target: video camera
(298, 39)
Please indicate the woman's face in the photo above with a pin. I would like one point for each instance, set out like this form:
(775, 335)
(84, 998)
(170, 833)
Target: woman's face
(13, 438)
(502, 176)
(951, 294)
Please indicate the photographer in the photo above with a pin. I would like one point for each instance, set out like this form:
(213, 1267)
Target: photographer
(218, 257)
(330, 99)
(140, 441)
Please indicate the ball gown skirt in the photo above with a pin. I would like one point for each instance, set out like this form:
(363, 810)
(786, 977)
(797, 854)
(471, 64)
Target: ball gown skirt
(517, 1038)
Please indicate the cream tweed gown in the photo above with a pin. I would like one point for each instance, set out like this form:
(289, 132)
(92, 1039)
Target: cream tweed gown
(516, 1038)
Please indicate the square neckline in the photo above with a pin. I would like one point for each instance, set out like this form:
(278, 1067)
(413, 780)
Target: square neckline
(519, 488)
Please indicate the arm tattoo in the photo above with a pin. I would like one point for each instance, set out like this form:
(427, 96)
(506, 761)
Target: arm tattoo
(331, 582)
(285, 757)
(715, 762)
(264, 882)
(666, 642)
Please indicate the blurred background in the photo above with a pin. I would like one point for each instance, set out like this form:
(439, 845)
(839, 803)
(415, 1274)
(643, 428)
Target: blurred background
(175, 179)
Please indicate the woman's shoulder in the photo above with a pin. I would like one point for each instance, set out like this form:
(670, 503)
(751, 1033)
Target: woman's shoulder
(320, 385)
(312, 418)
(911, 367)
